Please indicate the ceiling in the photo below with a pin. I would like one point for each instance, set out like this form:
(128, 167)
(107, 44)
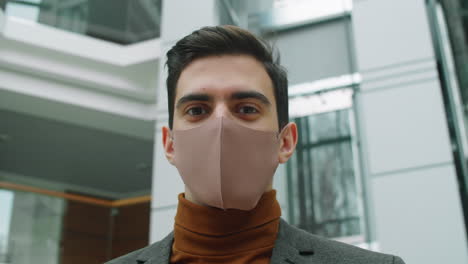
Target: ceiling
(78, 157)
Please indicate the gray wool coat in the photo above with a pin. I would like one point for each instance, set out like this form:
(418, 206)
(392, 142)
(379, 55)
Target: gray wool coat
(293, 246)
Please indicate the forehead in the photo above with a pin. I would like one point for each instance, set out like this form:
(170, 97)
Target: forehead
(222, 75)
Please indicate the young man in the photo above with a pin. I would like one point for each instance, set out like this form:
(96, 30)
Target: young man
(228, 131)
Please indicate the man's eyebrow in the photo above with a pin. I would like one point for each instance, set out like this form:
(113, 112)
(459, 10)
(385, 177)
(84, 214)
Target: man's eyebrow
(193, 97)
(251, 94)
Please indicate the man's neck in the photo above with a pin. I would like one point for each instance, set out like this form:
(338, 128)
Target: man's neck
(189, 196)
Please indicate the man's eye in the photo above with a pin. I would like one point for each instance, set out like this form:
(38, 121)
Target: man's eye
(248, 110)
(195, 111)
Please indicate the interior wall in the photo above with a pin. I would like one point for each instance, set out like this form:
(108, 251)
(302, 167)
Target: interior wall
(130, 229)
(95, 234)
(407, 149)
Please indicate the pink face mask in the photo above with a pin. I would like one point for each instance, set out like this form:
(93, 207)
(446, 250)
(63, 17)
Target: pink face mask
(225, 164)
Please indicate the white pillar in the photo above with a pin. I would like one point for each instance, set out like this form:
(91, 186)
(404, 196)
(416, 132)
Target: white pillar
(179, 18)
(417, 205)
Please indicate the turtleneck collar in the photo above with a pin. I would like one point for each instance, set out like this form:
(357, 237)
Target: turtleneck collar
(208, 231)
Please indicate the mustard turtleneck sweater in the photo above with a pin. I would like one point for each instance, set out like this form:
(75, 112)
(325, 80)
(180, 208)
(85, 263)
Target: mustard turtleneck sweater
(210, 235)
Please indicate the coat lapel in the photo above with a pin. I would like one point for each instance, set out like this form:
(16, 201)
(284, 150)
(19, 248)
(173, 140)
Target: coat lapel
(292, 246)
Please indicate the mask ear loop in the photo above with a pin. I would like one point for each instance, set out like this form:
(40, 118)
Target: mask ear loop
(171, 135)
(278, 134)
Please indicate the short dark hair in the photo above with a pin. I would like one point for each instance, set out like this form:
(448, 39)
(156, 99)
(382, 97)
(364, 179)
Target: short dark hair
(226, 40)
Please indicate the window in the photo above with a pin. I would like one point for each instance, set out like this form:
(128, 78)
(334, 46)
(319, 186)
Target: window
(323, 176)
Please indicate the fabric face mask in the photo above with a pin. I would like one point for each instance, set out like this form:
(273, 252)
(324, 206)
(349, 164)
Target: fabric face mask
(225, 164)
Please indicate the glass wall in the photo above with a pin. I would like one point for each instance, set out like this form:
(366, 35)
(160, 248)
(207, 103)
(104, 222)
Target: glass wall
(37, 228)
(119, 21)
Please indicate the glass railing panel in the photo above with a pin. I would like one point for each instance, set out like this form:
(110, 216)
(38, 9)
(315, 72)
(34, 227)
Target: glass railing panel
(51, 227)
(119, 21)
(31, 226)
(6, 206)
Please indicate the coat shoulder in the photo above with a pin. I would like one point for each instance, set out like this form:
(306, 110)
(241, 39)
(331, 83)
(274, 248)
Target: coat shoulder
(130, 258)
(331, 251)
(160, 250)
(338, 252)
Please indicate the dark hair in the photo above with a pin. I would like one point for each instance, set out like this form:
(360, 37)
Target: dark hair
(222, 40)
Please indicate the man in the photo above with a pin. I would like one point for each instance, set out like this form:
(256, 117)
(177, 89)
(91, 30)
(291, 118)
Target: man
(228, 131)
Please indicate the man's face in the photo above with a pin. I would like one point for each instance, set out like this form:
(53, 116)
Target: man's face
(232, 86)
(229, 86)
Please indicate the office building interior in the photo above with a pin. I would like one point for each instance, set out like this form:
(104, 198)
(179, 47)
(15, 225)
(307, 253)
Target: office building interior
(378, 90)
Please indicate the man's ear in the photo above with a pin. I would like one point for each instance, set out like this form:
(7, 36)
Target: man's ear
(288, 142)
(168, 143)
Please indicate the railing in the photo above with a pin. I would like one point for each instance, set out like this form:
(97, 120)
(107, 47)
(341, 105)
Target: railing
(77, 197)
